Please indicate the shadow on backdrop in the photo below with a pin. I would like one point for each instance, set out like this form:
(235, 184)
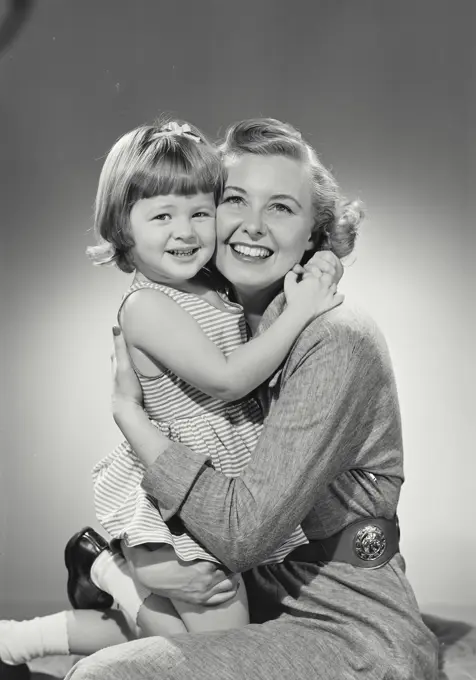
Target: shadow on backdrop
(12, 22)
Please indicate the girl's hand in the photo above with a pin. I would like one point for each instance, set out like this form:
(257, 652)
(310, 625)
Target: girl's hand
(313, 295)
(324, 262)
(126, 387)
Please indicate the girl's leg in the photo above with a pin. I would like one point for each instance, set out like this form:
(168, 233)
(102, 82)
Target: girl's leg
(158, 616)
(231, 614)
(90, 630)
(111, 572)
(153, 614)
(73, 632)
(165, 617)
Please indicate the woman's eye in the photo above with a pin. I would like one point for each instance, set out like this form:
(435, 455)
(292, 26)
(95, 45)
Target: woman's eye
(234, 200)
(282, 208)
(161, 217)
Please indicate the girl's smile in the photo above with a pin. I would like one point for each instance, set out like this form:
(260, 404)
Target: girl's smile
(174, 236)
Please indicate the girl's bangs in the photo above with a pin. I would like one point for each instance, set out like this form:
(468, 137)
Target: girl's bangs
(177, 174)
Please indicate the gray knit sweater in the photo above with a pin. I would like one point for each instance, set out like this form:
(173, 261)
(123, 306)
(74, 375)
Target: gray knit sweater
(330, 451)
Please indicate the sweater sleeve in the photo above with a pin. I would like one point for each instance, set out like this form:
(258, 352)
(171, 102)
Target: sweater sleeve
(306, 442)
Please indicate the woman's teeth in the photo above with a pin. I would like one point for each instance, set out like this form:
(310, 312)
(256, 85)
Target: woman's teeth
(252, 251)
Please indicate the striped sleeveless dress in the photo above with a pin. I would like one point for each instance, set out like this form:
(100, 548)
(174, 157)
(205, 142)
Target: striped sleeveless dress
(226, 432)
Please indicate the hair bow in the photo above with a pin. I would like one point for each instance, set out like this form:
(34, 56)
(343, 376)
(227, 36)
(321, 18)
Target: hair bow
(184, 130)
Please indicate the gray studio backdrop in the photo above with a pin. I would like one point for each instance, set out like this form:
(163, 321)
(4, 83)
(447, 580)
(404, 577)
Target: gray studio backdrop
(382, 88)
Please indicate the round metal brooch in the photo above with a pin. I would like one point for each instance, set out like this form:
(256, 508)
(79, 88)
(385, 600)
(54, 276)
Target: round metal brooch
(370, 543)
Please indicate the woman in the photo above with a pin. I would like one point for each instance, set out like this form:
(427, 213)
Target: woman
(330, 458)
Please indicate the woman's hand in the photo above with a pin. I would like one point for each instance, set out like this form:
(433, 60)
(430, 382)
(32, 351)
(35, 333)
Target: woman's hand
(125, 384)
(199, 582)
(146, 440)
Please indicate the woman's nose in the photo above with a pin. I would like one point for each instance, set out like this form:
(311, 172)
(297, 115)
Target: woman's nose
(254, 224)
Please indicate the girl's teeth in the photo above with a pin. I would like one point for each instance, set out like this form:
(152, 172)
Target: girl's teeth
(182, 253)
(252, 252)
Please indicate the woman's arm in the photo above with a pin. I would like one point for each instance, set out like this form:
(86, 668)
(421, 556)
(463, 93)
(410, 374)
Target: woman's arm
(313, 432)
(166, 333)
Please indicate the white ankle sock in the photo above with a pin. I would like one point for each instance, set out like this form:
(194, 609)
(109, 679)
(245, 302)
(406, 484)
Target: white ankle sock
(110, 572)
(22, 641)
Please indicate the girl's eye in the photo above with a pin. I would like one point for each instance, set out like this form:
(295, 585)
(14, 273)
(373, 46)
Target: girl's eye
(161, 217)
(282, 208)
(234, 200)
(202, 214)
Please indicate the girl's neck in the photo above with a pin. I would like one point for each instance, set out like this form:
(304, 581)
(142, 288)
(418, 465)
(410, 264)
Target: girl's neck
(201, 285)
(197, 285)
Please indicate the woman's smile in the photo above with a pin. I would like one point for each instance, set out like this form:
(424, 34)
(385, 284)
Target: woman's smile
(250, 252)
(265, 219)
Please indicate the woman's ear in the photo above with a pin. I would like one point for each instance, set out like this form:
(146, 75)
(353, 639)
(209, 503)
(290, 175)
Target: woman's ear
(309, 250)
(310, 245)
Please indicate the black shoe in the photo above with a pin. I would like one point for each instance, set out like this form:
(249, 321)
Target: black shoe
(79, 555)
(20, 672)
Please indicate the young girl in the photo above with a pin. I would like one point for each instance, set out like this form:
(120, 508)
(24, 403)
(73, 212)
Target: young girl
(155, 216)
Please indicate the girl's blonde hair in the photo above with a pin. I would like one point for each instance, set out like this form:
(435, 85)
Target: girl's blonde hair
(152, 160)
(335, 220)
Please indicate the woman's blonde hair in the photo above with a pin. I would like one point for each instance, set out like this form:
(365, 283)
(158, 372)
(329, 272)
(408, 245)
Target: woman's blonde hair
(160, 159)
(335, 220)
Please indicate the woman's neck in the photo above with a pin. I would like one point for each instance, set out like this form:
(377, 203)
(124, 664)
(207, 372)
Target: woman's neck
(255, 303)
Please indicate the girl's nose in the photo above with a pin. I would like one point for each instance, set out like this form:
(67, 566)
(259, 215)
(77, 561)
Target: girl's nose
(184, 229)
